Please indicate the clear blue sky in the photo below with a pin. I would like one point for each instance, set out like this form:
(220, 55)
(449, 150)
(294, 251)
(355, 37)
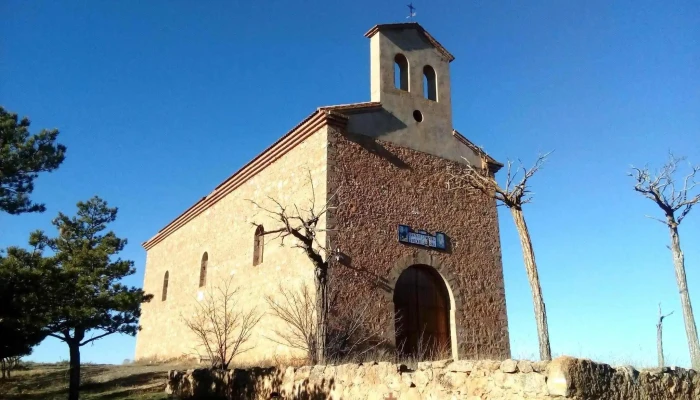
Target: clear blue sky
(159, 101)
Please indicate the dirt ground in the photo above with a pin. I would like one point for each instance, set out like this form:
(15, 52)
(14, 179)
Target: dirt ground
(98, 382)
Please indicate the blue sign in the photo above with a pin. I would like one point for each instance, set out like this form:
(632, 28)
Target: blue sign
(422, 238)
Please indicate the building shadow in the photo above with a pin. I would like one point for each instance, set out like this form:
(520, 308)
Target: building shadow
(372, 145)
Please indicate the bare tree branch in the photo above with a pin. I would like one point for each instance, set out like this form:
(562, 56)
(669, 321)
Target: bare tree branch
(354, 331)
(513, 195)
(303, 225)
(675, 202)
(656, 219)
(297, 310)
(222, 329)
(660, 187)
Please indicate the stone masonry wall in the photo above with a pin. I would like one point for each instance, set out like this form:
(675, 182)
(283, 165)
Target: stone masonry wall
(564, 377)
(380, 185)
(226, 232)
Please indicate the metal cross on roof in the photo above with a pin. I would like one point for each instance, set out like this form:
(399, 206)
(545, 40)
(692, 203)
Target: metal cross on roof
(411, 11)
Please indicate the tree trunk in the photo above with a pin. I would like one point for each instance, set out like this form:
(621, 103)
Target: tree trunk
(660, 340)
(74, 383)
(3, 368)
(321, 313)
(533, 277)
(691, 330)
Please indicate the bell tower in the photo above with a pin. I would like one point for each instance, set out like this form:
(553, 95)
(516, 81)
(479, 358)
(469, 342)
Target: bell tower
(410, 74)
(410, 80)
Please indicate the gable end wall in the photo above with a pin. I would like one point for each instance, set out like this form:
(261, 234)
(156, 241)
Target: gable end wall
(380, 185)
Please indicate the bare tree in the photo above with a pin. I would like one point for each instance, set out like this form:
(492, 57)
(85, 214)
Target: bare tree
(352, 333)
(221, 327)
(659, 336)
(675, 200)
(302, 224)
(297, 309)
(513, 195)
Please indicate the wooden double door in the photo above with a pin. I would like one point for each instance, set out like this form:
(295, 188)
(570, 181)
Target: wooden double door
(422, 307)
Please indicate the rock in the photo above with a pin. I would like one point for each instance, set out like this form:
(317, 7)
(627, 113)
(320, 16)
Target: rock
(359, 377)
(540, 366)
(434, 391)
(378, 392)
(393, 381)
(510, 380)
(558, 381)
(336, 392)
(316, 375)
(341, 373)
(288, 380)
(535, 383)
(496, 392)
(330, 372)
(516, 382)
(455, 379)
(629, 371)
(487, 365)
(440, 363)
(347, 372)
(477, 387)
(354, 392)
(411, 394)
(659, 370)
(423, 365)
(392, 374)
(509, 366)
(422, 377)
(479, 373)
(499, 378)
(302, 373)
(384, 369)
(373, 374)
(460, 366)
(525, 366)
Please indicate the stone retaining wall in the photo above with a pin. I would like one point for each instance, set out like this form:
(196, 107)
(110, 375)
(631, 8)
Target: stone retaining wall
(564, 377)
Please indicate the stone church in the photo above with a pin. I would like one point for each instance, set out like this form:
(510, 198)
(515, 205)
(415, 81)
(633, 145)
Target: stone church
(409, 245)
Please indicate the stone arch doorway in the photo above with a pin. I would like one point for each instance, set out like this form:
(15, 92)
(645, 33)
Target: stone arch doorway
(422, 307)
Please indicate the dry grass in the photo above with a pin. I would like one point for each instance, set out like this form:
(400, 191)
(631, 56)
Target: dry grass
(98, 382)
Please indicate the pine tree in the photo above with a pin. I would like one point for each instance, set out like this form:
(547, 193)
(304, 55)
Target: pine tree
(22, 309)
(22, 158)
(87, 295)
